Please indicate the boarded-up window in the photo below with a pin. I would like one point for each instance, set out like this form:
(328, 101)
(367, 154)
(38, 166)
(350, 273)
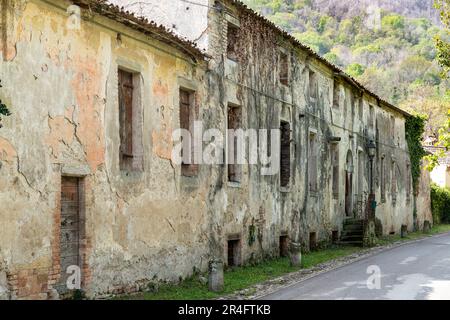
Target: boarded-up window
(232, 40)
(392, 129)
(394, 181)
(187, 118)
(313, 87)
(408, 182)
(371, 116)
(383, 179)
(284, 69)
(129, 122)
(336, 95)
(360, 108)
(361, 173)
(285, 153)
(335, 166)
(312, 162)
(234, 123)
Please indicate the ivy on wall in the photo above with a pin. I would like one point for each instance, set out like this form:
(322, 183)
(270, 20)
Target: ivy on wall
(4, 111)
(414, 129)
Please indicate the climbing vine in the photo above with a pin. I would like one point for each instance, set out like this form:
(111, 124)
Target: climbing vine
(414, 128)
(4, 111)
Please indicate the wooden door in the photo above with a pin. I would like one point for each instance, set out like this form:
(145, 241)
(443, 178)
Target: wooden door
(69, 228)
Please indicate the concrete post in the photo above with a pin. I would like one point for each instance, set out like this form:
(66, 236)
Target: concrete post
(426, 226)
(295, 254)
(215, 278)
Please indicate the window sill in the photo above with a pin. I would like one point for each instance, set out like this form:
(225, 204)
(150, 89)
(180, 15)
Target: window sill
(285, 189)
(131, 175)
(234, 184)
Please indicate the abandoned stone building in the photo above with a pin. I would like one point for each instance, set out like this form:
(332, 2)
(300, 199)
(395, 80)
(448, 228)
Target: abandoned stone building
(86, 156)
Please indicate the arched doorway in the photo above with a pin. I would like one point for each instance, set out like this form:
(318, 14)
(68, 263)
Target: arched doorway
(349, 184)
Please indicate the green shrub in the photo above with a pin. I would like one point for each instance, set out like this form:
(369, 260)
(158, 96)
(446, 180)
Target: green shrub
(440, 204)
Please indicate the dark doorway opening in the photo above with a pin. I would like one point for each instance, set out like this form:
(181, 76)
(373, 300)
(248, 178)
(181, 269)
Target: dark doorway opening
(312, 241)
(284, 246)
(334, 236)
(234, 252)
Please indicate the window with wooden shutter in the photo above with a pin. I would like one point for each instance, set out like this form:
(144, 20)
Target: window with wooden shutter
(130, 126)
(336, 95)
(126, 118)
(335, 173)
(285, 153)
(284, 69)
(394, 182)
(408, 182)
(234, 123)
(187, 118)
(312, 162)
(383, 179)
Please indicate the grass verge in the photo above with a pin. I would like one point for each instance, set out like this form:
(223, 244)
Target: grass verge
(246, 276)
(440, 228)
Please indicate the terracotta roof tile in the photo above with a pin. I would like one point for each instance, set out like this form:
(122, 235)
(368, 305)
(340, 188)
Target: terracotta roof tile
(142, 24)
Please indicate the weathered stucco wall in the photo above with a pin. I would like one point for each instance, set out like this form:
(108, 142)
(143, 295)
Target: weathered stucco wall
(157, 225)
(61, 86)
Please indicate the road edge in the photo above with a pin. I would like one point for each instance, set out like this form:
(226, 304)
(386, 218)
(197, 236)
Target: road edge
(287, 280)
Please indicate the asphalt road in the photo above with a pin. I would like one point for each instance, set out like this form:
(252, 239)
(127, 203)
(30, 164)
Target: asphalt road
(414, 271)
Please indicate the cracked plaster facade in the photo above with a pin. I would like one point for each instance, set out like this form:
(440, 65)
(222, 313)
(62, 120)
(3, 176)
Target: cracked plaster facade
(157, 225)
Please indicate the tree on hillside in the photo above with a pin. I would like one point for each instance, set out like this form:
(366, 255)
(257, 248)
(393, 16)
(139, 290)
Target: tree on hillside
(443, 58)
(443, 45)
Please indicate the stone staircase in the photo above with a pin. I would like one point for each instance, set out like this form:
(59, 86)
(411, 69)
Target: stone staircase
(352, 232)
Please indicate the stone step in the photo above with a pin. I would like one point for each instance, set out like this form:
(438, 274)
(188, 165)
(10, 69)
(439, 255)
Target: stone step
(352, 227)
(351, 242)
(357, 236)
(353, 221)
(352, 233)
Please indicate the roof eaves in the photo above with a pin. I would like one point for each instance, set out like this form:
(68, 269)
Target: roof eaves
(240, 5)
(142, 24)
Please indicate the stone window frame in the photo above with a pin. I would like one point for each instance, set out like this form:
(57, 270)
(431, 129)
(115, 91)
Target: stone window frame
(394, 180)
(361, 108)
(408, 182)
(284, 61)
(238, 167)
(336, 94)
(371, 116)
(313, 188)
(286, 187)
(234, 24)
(188, 170)
(335, 165)
(313, 87)
(383, 178)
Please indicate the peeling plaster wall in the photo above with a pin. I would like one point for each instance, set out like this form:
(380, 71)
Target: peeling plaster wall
(61, 86)
(158, 225)
(260, 202)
